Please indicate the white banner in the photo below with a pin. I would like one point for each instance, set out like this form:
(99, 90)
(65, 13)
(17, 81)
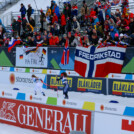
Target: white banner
(113, 124)
(14, 79)
(31, 57)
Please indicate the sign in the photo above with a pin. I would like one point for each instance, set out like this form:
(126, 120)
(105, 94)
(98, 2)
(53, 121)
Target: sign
(95, 85)
(7, 59)
(113, 124)
(99, 62)
(20, 79)
(31, 57)
(44, 118)
(55, 56)
(121, 87)
(128, 66)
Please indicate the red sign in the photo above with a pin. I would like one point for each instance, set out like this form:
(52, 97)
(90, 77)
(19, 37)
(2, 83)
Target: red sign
(127, 126)
(44, 118)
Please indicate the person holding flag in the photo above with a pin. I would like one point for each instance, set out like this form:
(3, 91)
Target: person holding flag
(38, 84)
(64, 80)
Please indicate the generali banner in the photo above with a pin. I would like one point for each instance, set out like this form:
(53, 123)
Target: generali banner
(44, 118)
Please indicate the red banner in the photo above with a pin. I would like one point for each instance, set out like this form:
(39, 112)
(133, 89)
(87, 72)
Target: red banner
(44, 118)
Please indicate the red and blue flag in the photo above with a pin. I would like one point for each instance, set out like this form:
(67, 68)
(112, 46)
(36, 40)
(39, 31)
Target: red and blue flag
(65, 55)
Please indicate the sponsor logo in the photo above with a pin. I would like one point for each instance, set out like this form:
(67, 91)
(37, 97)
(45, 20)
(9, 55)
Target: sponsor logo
(123, 87)
(12, 78)
(6, 94)
(54, 82)
(45, 118)
(106, 108)
(35, 98)
(89, 84)
(7, 112)
(65, 102)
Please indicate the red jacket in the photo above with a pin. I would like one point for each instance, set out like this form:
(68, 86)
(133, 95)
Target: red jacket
(63, 20)
(54, 41)
(55, 18)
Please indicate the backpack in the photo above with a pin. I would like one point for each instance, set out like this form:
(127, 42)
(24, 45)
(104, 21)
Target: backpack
(32, 11)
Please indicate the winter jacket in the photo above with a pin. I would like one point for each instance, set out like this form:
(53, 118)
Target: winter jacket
(57, 11)
(82, 11)
(112, 33)
(32, 22)
(74, 10)
(23, 10)
(63, 20)
(29, 11)
(76, 25)
(48, 13)
(54, 19)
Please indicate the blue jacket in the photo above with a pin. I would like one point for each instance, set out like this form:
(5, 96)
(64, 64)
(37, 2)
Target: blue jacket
(23, 10)
(108, 12)
(95, 21)
(57, 11)
(112, 33)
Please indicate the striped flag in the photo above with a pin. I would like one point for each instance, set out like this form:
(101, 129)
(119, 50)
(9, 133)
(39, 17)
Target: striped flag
(65, 55)
(13, 43)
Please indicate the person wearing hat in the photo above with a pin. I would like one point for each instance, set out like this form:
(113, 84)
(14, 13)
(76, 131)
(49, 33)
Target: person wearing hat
(113, 31)
(131, 25)
(29, 12)
(41, 19)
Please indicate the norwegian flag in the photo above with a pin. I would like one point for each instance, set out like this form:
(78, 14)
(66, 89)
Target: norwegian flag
(99, 62)
(65, 55)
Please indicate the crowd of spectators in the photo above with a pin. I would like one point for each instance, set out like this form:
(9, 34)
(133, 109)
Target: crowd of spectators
(92, 26)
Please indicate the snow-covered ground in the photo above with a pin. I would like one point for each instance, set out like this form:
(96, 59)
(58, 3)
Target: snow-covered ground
(8, 129)
(76, 96)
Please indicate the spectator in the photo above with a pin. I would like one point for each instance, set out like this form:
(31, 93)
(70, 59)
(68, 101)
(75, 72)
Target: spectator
(76, 25)
(63, 23)
(131, 25)
(23, 11)
(77, 40)
(48, 13)
(68, 25)
(56, 29)
(55, 18)
(74, 10)
(19, 25)
(45, 24)
(29, 12)
(56, 10)
(15, 27)
(32, 21)
(113, 31)
(24, 21)
(41, 19)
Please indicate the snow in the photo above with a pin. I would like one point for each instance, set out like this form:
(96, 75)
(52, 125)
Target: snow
(85, 96)
(7, 129)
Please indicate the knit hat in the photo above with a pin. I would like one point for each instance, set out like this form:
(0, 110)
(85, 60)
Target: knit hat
(116, 35)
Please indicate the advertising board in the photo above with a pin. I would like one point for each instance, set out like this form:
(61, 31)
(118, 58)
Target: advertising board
(22, 79)
(44, 118)
(113, 124)
(121, 87)
(95, 85)
(55, 57)
(31, 57)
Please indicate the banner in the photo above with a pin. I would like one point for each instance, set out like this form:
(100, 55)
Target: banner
(113, 124)
(128, 66)
(55, 58)
(7, 59)
(31, 57)
(15, 79)
(99, 62)
(79, 84)
(121, 87)
(44, 118)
